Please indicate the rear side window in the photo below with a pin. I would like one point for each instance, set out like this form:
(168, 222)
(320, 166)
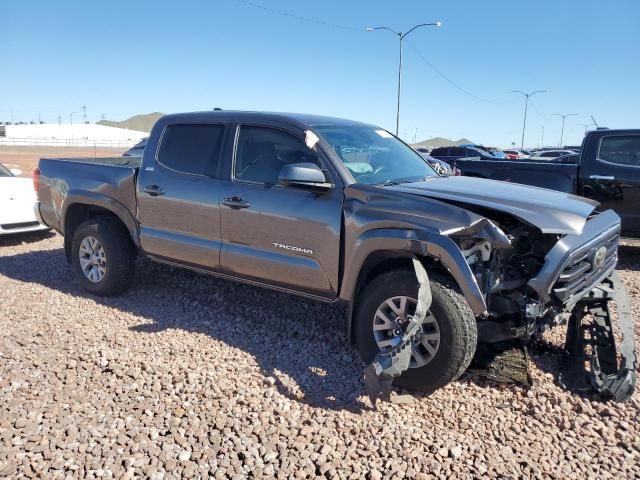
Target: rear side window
(440, 152)
(192, 149)
(472, 152)
(622, 150)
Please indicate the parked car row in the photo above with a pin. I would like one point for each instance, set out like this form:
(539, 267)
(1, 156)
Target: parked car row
(606, 170)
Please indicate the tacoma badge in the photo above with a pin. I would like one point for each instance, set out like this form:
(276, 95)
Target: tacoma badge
(292, 248)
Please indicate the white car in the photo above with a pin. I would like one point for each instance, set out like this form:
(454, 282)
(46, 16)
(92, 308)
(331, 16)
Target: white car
(17, 198)
(549, 154)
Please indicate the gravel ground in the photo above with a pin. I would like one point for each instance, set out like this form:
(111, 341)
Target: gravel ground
(189, 376)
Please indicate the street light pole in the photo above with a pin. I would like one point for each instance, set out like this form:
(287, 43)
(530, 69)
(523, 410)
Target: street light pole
(564, 117)
(401, 36)
(526, 105)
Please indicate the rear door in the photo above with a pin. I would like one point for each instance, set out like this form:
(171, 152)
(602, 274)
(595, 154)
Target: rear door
(179, 196)
(281, 236)
(613, 178)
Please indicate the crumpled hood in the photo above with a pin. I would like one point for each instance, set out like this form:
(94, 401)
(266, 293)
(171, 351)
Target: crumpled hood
(549, 210)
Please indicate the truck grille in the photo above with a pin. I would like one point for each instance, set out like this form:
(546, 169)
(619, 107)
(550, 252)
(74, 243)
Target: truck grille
(586, 267)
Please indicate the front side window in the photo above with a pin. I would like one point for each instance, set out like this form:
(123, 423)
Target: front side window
(374, 156)
(192, 149)
(262, 152)
(621, 149)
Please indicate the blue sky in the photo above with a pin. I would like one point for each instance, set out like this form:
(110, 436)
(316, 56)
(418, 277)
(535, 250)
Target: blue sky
(121, 58)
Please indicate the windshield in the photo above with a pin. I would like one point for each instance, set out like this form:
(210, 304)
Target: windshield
(4, 171)
(374, 156)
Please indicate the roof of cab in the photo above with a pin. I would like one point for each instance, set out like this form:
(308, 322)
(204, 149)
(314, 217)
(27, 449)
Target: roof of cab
(246, 116)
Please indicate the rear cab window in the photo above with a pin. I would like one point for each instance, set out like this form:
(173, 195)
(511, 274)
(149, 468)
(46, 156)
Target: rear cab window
(192, 149)
(623, 150)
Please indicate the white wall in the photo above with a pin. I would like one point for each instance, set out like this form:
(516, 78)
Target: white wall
(71, 135)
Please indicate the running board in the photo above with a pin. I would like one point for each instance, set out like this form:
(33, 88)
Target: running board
(605, 375)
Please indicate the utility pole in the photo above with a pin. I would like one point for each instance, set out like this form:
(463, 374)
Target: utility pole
(586, 126)
(84, 113)
(401, 37)
(71, 118)
(542, 137)
(526, 105)
(59, 119)
(564, 117)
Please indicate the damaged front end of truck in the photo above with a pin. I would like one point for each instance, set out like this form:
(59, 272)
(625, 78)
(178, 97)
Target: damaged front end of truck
(544, 280)
(533, 279)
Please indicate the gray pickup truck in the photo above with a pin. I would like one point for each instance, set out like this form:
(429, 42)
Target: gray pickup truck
(342, 211)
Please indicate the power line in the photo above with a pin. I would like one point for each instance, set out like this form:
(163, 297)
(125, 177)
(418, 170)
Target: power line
(537, 110)
(297, 17)
(454, 84)
(354, 29)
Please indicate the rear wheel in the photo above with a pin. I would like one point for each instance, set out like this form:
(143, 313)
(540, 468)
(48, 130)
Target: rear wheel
(444, 349)
(102, 256)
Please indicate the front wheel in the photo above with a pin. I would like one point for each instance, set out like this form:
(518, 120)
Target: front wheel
(444, 349)
(102, 256)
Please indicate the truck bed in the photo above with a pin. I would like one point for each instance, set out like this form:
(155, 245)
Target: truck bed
(113, 161)
(64, 181)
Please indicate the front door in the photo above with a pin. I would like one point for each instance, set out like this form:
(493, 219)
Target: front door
(179, 196)
(287, 237)
(613, 179)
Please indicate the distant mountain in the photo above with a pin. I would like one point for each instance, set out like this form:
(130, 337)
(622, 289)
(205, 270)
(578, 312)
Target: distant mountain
(436, 142)
(141, 123)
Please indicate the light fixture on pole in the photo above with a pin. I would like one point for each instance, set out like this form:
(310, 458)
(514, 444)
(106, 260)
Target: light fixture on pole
(401, 37)
(564, 117)
(526, 105)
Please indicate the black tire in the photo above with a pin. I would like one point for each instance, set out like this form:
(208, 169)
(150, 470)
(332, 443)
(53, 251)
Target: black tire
(119, 252)
(456, 322)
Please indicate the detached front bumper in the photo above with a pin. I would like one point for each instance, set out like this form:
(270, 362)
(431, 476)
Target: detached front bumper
(607, 375)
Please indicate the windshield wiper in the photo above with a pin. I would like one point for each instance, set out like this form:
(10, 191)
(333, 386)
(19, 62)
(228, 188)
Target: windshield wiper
(399, 181)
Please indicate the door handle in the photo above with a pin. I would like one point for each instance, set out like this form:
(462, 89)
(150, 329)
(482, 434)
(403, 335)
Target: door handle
(153, 190)
(235, 202)
(602, 177)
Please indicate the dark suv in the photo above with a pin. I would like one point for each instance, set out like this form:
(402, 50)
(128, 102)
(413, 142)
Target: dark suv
(449, 154)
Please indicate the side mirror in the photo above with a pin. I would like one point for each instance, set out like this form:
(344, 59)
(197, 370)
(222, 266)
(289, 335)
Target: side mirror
(305, 175)
(16, 171)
